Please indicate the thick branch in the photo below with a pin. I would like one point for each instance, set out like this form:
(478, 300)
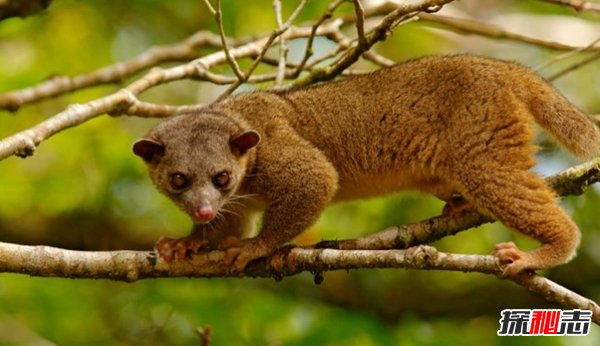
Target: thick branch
(135, 265)
(23, 144)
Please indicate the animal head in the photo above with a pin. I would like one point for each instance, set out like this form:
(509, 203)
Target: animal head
(198, 161)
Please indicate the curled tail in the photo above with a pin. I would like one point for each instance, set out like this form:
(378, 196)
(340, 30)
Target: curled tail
(567, 124)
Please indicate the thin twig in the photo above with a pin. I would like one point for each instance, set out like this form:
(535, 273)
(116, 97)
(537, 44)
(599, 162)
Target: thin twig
(282, 47)
(262, 53)
(577, 5)
(275, 62)
(183, 51)
(467, 26)
(210, 7)
(345, 42)
(575, 66)
(230, 59)
(308, 52)
(205, 334)
(360, 22)
(567, 55)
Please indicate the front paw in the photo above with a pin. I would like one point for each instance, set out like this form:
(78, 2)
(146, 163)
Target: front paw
(238, 253)
(171, 249)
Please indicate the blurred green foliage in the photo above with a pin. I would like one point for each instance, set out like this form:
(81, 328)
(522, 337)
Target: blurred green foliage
(83, 189)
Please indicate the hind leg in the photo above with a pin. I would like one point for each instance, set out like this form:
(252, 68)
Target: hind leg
(521, 200)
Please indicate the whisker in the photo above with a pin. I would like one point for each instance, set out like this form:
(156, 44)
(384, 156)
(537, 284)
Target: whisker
(211, 225)
(224, 210)
(246, 196)
(236, 203)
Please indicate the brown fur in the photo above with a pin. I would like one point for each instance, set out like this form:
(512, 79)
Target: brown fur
(444, 125)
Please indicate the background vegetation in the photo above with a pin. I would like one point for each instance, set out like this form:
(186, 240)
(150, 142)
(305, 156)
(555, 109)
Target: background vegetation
(85, 190)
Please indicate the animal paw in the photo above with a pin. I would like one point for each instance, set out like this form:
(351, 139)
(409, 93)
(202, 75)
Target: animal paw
(238, 253)
(171, 249)
(512, 260)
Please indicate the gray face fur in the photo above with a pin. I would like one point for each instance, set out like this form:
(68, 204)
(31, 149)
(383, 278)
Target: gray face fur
(197, 160)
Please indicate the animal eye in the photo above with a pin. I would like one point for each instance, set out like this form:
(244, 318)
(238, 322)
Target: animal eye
(221, 179)
(178, 180)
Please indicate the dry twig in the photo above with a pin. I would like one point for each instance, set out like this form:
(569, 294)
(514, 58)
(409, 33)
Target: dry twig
(360, 22)
(378, 33)
(577, 5)
(575, 66)
(263, 51)
(308, 52)
(568, 55)
(467, 26)
(282, 47)
(219, 19)
(186, 50)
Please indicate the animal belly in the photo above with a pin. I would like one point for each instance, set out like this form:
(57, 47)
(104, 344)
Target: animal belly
(373, 185)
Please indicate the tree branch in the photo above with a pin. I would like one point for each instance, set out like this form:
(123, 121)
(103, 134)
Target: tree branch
(59, 85)
(360, 22)
(125, 100)
(282, 47)
(575, 66)
(378, 33)
(230, 59)
(568, 55)
(467, 26)
(577, 5)
(276, 33)
(131, 266)
(308, 52)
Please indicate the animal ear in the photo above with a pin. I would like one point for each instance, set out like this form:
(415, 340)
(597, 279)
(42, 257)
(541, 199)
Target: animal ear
(240, 144)
(148, 149)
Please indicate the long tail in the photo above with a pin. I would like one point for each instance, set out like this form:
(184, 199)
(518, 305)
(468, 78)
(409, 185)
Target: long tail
(567, 124)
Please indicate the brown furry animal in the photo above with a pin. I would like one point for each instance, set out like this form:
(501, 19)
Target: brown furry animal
(446, 125)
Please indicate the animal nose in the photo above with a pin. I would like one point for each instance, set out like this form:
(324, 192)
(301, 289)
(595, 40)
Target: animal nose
(205, 213)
